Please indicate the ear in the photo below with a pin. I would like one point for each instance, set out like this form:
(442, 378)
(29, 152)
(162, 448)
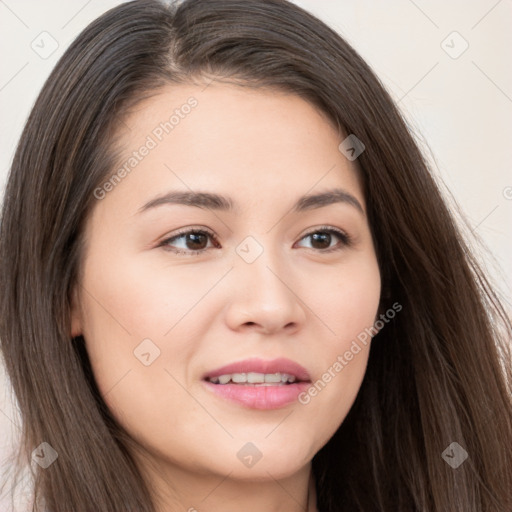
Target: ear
(75, 315)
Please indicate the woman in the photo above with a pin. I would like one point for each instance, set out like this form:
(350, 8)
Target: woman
(230, 281)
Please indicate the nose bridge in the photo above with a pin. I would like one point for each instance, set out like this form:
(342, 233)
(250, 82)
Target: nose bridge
(259, 265)
(264, 296)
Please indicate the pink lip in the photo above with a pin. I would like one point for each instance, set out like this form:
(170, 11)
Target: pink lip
(260, 397)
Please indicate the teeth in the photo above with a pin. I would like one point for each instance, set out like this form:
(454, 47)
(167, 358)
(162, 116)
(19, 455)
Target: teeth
(254, 378)
(239, 378)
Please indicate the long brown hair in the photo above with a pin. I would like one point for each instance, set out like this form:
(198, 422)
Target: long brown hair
(438, 373)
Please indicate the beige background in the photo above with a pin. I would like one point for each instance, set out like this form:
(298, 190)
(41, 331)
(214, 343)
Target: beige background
(460, 108)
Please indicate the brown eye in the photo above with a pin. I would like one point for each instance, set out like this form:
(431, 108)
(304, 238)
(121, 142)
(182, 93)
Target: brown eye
(322, 238)
(189, 242)
(196, 241)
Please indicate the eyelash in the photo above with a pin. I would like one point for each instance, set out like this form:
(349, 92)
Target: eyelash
(346, 240)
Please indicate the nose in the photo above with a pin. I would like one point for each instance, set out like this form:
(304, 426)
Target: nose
(265, 298)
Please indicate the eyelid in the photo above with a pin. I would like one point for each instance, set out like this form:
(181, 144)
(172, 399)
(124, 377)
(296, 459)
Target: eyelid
(191, 229)
(317, 229)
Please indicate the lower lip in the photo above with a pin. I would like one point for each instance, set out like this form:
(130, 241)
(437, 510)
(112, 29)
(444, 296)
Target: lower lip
(259, 397)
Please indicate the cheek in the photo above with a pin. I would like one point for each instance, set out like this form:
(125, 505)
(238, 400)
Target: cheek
(349, 303)
(352, 306)
(136, 314)
(348, 309)
(146, 300)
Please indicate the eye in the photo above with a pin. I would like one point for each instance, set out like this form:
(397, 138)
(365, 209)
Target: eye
(192, 241)
(322, 237)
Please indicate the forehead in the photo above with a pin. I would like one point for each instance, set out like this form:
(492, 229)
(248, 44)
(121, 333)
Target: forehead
(247, 143)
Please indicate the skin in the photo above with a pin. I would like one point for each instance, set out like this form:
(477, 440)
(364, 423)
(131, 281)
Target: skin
(264, 149)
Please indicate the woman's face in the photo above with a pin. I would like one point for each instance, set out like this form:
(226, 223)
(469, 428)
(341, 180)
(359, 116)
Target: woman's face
(263, 290)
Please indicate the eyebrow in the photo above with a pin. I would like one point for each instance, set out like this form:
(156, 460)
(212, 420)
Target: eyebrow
(218, 202)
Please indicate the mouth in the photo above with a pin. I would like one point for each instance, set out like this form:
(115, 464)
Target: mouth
(259, 384)
(254, 379)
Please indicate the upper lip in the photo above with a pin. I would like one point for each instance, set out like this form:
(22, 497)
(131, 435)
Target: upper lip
(255, 365)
